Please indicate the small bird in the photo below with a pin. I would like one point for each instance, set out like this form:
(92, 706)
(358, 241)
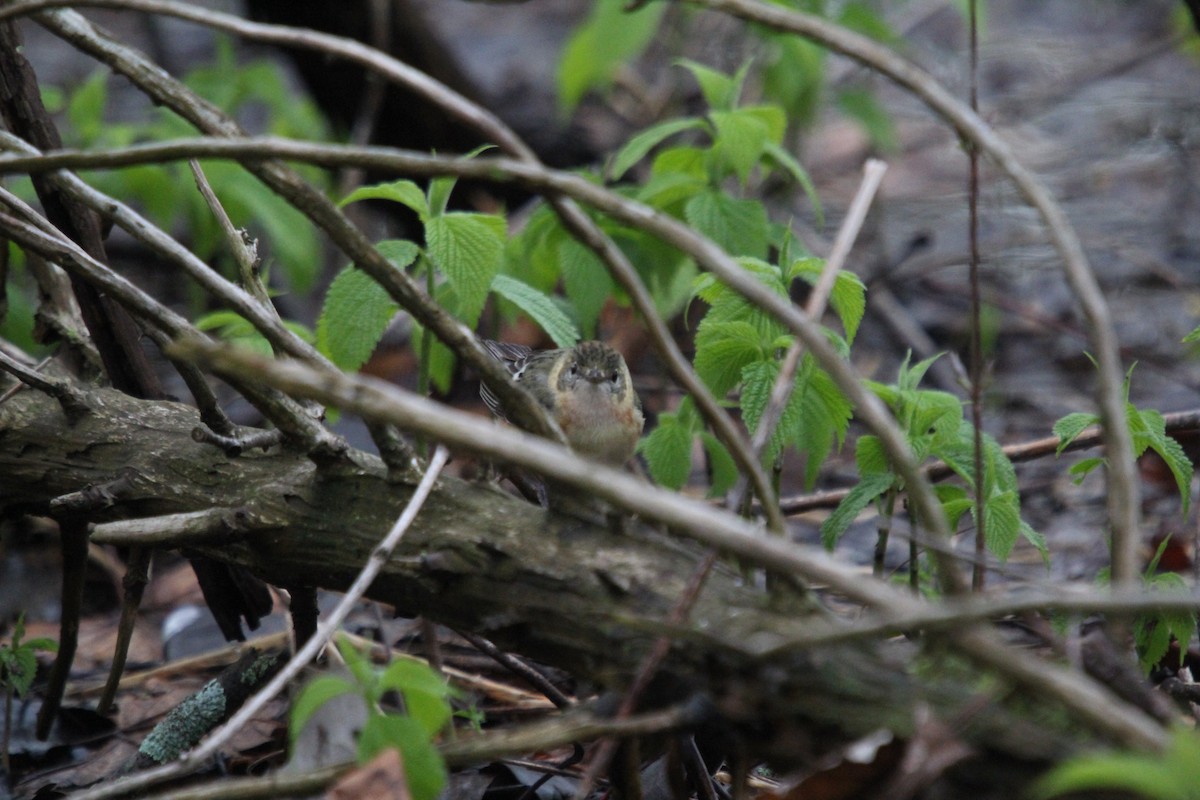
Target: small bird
(587, 390)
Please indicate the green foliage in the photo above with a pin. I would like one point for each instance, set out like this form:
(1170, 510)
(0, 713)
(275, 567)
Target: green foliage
(934, 427)
(18, 662)
(160, 189)
(610, 36)
(1173, 774)
(464, 250)
(1147, 429)
(233, 327)
(425, 697)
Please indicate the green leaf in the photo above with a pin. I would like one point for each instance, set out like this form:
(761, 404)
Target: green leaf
(316, 693)
(426, 693)
(870, 457)
(609, 37)
(719, 90)
(1002, 515)
(723, 349)
(1082, 468)
(1149, 429)
(740, 141)
(586, 281)
(355, 314)
(423, 766)
(668, 451)
(867, 490)
(1171, 775)
(540, 308)
(758, 379)
(848, 296)
(740, 227)
(404, 192)
(85, 109)
(1070, 426)
(721, 465)
(640, 145)
(777, 155)
(468, 249)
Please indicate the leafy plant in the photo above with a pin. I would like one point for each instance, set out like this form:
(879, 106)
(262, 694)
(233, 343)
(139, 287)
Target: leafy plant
(1173, 774)
(425, 696)
(236, 88)
(1148, 430)
(934, 427)
(461, 261)
(18, 668)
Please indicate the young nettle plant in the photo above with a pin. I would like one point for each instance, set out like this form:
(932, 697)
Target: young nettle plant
(18, 668)
(425, 711)
(1153, 631)
(738, 352)
(934, 427)
(461, 262)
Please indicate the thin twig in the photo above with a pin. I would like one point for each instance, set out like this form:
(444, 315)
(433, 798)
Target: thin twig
(200, 755)
(979, 572)
(244, 254)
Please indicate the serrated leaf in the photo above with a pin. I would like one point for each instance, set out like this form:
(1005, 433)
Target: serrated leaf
(1002, 515)
(740, 227)
(740, 140)
(721, 465)
(586, 281)
(609, 37)
(1069, 427)
(863, 494)
(640, 145)
(355, 314)
(668, 451)
(1080, 470)
(1037, 540)
(468, 249)
(758, 379)
(404, 192)
(870, 456)
(1149, 430)
(848, 296)
(540, 308)
(722, 350)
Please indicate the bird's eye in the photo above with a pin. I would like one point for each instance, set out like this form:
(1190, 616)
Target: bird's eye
(574, 370)
(615, 377)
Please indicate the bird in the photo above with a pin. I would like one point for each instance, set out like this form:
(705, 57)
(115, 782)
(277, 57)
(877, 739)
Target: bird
(587, 389)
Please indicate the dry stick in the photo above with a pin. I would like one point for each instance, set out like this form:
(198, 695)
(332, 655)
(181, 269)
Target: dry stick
(577, 222)
(979, 572)
(1123, 502)
(325, 630)
(243, 253)
(375, 399)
